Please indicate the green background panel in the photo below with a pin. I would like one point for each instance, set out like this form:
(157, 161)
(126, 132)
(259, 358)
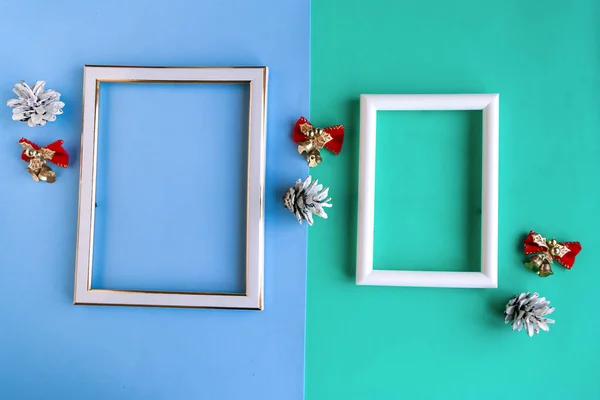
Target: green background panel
(426, 343)
(428, 184)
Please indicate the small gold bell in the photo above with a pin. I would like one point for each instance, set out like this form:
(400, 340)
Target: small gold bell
(45, 174)
(540, 266)
(545, 270)
(314, 158)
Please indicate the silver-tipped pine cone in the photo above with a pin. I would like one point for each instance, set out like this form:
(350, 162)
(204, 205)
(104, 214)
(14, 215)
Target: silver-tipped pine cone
(529, 311)
(36, 106)
(307, 198)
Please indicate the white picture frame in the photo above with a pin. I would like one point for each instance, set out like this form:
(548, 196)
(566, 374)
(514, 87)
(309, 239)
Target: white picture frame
(252, 299)
(369, 105)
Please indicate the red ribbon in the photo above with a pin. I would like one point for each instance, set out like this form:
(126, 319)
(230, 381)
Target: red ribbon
(59, 155)
(535, 244)
(336, 132)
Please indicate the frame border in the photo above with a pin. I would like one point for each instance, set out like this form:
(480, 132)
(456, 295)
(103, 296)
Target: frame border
(94, 75)
(369, 105)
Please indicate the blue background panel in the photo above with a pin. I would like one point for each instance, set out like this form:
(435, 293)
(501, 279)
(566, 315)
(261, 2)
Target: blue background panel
(171, 187)
(51, 349)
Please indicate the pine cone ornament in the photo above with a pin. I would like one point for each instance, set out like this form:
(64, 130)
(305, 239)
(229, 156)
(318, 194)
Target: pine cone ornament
(307, 198)
(528, 310)
(35, 106)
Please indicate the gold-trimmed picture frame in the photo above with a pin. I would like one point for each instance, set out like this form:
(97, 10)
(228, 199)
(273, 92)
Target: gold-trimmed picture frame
(94, 75)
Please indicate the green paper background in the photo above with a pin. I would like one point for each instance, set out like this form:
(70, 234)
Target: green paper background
(424, 343)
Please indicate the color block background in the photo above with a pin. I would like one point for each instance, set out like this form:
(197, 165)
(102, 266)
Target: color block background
(382, 343)
(50, 349)
(362, 342)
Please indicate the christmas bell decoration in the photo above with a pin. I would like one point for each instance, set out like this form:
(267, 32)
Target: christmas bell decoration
(307, 198)
(37, 158)
(528, 310)
(312, 140)
(543, 252)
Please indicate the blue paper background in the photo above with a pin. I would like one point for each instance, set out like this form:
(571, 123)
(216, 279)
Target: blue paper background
(50, 349)
(175, 218)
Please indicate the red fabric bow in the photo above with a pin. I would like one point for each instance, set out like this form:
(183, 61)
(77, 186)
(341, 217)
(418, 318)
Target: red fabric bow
(311, 140)
(564, 252)
(303, 127)
(54, 152)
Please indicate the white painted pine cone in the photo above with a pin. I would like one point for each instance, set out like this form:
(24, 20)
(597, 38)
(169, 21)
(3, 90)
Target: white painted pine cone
(36, 106)
(307, 198)
(528, 310)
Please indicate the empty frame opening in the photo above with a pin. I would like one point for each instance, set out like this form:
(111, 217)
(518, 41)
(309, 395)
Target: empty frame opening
(166, 218)
(428, 191)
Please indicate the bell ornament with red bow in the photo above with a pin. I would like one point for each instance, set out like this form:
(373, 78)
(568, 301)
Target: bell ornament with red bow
(37, 157)
(311, 140)
(544, 252)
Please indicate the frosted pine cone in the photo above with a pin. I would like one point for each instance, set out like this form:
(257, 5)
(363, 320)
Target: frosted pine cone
(528, 310)
(35, 106)
(307, 198)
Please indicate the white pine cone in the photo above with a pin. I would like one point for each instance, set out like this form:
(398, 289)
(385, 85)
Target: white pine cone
(307, 198)
(35, 106)
(528, 310)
